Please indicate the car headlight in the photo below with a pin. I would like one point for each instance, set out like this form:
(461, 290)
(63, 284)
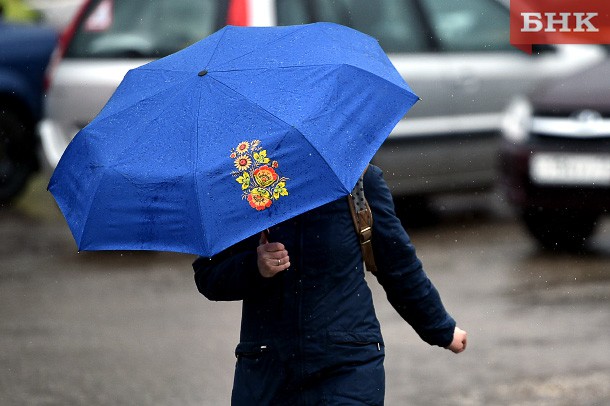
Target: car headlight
(517, 120)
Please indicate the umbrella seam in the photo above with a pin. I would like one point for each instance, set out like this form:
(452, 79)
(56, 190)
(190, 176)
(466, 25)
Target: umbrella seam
(136, 139)
(196, 178)
(88, 217)
(138, 101)
(266, 44)
(248, 69)
(280, 67)
(216, 47)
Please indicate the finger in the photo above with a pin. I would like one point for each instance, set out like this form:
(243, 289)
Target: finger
(264, 238)
(267, 251)
(272, 248)
(279, 261)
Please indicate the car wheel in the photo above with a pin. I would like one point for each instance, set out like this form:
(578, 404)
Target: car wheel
(558, 229)
(17, 153)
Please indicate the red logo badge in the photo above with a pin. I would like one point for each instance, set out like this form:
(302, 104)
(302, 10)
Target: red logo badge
(559, 22)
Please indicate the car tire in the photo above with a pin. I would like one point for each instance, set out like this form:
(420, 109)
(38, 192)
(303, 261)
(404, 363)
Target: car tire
(17, 153)
(557, 229)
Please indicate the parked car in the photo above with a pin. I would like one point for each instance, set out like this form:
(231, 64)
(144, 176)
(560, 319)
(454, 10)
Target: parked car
(25, 50)
(555, 158)
(455, 55)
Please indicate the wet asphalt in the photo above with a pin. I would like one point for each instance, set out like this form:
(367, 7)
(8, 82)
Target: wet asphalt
(130, 328)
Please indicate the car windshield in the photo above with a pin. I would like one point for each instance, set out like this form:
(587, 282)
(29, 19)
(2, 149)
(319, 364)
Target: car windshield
(143, 28)
(397, 24)
(411, 26)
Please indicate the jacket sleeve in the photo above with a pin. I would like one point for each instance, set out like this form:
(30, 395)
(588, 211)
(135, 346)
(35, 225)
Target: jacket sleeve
(400, 272)
(230, 275)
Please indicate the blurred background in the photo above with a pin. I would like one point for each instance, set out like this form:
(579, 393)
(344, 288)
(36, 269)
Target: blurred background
(501, 175)
(56, 13)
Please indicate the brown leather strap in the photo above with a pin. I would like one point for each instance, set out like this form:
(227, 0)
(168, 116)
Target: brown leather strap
(363, 223)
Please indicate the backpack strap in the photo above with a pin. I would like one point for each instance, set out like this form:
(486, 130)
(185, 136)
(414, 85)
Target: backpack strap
(363, 223)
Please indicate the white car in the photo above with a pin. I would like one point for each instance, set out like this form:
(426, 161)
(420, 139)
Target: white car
(454, 54)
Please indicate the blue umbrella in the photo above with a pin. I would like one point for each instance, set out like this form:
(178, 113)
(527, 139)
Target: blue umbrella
(240, 131)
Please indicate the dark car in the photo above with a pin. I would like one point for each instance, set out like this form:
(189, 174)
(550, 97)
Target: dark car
(25, 50)
(555, 159)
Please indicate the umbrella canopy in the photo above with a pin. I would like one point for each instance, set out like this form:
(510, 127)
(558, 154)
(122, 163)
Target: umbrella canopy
(245, 129)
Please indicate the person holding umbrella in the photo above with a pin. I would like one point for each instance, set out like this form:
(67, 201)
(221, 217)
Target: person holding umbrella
(309, 334)
(263, 128)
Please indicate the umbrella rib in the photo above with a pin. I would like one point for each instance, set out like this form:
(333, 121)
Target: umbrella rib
(275, 67)
(266, 45)
(186, 78)
(216, 47)
(167, 105)
(196, 178)
(90, 205)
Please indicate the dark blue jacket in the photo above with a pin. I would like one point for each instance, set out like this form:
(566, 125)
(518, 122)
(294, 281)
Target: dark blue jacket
(310, 335)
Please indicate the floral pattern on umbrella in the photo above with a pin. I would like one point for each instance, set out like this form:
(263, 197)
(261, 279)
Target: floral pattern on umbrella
(256, 173)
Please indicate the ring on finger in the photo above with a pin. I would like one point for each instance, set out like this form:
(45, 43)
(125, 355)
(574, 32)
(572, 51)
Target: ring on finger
(279, 262)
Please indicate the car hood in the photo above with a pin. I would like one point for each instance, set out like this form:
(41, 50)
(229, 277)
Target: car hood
(587, 89)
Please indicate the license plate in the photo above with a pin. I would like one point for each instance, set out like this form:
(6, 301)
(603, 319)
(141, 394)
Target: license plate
(570, 169)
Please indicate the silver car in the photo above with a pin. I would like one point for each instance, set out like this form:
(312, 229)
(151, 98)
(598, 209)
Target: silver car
(455, 55)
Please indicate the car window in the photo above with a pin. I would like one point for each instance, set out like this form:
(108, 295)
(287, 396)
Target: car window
(469, 25)
(397, 24)
(143, 28)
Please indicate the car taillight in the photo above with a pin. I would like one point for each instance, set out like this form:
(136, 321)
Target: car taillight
(239, 13)
(63, 43)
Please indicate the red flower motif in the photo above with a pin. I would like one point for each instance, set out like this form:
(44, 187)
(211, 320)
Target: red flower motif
(265, 176)
(259, 199)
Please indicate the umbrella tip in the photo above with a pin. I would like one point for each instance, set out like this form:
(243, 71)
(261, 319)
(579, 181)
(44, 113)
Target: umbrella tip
(203, 73)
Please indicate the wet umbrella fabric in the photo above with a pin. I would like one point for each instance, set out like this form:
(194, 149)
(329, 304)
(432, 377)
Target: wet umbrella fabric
(240, 131)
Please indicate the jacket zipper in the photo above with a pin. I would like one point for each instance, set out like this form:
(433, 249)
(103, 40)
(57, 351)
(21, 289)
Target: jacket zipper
(300, 300)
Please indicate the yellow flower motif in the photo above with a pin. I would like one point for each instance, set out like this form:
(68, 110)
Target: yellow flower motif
(261, 157)
(244, 180)
(280, 190)
(242, 162)
(243, 146)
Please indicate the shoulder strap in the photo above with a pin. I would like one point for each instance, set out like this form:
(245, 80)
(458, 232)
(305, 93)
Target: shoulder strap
(363, 223)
